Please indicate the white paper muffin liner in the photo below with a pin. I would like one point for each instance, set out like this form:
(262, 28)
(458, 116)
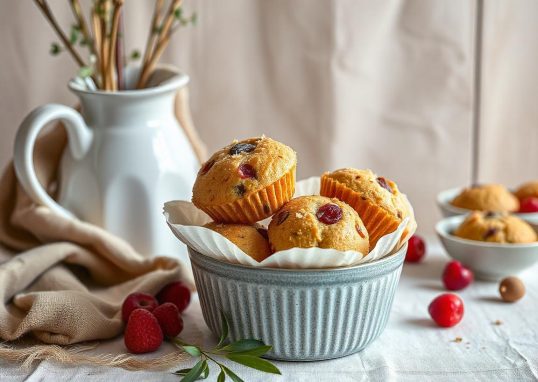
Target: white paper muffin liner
(186, 221)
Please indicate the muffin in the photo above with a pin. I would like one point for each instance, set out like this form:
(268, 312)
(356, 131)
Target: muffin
(377, 200)
(529, 189)
(317, 221)
(496, 228)
(487, 197)
(246, 181)
(251, 239)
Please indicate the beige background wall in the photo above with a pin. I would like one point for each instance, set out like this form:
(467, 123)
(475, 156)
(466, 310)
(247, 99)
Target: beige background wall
(380, 84)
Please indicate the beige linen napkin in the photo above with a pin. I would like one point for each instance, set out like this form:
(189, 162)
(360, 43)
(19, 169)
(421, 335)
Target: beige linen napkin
(70, 283)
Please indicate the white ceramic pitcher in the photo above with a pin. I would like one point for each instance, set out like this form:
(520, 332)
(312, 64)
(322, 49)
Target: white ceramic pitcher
(127, 155)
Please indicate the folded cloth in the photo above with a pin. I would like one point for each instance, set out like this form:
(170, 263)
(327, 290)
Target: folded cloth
(70, 283)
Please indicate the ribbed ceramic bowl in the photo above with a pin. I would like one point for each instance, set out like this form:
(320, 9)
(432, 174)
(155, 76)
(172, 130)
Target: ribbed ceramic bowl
(305, 315)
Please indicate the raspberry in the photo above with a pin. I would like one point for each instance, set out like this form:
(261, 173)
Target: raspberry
(329, 213)
(169, 319)
(416, 249)
(456, 276)
(137, 301)
(177, 293)
(446, 310)
(143, 333)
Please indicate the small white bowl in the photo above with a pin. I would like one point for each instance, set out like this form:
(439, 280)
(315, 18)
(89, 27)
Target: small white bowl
(489, 261)
(444, 199)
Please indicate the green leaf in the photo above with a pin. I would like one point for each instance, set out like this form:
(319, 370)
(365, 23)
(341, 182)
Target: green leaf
(205, 372)
(195, 372)
(224, 329)
(182, 372)
(257, 352)
(221, 377)
(231, 374)
(55, 49)
(243, 345)
(178, 13)
(254, 362)
(135, 55)
(192, 350)
(74, 34)
(85, 71)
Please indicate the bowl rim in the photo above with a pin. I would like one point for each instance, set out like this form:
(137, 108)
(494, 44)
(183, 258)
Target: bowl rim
(393, 257)
(444, 203)
(453, 220)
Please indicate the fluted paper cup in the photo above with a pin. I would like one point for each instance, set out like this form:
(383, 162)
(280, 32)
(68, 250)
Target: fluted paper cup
(304, 314)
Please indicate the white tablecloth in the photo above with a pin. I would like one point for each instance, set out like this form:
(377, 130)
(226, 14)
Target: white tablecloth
(411, 348)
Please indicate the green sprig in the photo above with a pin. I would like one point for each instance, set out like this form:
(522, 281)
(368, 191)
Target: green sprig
(246, 352)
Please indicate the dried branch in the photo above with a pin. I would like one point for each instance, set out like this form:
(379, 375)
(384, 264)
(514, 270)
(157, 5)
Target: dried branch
(81, 21)
(118, 4)
(154, 31)
(164, 38)
(97, 33)
(120, 55)
(42, 4)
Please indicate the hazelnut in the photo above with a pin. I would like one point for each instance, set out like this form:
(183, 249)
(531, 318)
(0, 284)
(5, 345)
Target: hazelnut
(511, 289)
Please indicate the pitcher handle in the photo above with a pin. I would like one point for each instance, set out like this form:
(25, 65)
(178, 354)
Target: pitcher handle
(79, 141)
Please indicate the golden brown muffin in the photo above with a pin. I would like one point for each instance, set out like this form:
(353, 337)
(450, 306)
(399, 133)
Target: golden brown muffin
(487, 197)
(317, 221)
(377, 200)
(251, 239)
(246, 181)
(529, 189)
(496, 227)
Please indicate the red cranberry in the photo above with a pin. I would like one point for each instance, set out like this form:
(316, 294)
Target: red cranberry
(456, 276)
(446, 310)
(281, 217)
(246, 171)
(383, 183)
(416, 249)
(206, 167)
(490, 232)
(329, 213)
(242, 148)
(529, 204)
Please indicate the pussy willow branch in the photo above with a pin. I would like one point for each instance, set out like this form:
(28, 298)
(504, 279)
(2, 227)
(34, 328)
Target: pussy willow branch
(162, 42)
(42, 4)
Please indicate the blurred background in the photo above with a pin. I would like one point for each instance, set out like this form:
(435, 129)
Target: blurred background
(388, 85)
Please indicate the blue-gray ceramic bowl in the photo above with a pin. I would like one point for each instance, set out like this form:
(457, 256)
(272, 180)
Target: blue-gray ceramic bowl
(305, 315)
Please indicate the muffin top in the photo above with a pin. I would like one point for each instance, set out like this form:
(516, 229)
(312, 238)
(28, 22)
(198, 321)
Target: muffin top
(251, 239)
(376, 189)
(496, 227)
(529, 189)
(242, 168)
(317, 221)
(487, 197)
